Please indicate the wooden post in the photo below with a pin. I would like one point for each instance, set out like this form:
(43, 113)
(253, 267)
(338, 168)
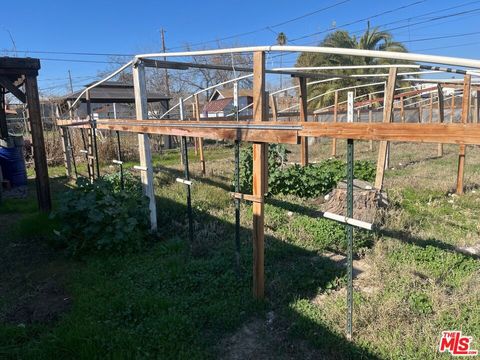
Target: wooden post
(465, 115)
(259, 179)
(144, 150)
(402, 109)
(476, 107)
(430, 115)
(90, 135)
(199, 140)
(66, 151)
(441, 115)
(335, 119)
(302, 81)
(3, 116)
(420, 113)
(387, 118)
(370, 117)
(273, 105)
(452, 108)
(39, 153)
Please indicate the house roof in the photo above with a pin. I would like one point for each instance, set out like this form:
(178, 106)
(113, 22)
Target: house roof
(228, 93)
(113, 92)
(216, 105)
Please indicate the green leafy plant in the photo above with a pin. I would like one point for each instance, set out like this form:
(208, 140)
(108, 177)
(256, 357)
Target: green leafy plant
(303, 181)
(100, 217)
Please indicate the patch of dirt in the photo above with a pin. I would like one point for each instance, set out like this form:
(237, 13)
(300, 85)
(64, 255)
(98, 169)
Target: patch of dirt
(470, 250)
(361, 276)
(366, 201)
(31, 278)
(267, 340)
(44, 305)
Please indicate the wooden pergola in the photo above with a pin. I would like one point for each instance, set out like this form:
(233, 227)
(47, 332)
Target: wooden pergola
(16, 73)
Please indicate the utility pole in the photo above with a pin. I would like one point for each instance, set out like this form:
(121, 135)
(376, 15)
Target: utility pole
(70, 79)
(167, 86)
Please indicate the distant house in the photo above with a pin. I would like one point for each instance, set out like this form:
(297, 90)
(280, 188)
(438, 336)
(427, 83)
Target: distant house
(220, 103)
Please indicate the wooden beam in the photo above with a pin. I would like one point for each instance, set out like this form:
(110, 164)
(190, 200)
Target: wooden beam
(246, 197)
(302, 82)
(335, 119)
(430, 114)
(387, 118)
(15, 91)
(90, 135)
(141, 109)
(39, 153)
(259, 176)
(441, 115)
(465, 115)
(200, 140)
(476, 107)
(402, 109)
(425, 133)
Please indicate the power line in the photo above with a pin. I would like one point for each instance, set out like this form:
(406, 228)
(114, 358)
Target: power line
(361, 20)
(267, 27)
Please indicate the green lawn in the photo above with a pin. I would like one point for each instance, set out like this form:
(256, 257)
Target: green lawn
(181, 300)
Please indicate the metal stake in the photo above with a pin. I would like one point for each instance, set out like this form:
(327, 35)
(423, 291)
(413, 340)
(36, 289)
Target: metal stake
(187, 177)
(350, 165)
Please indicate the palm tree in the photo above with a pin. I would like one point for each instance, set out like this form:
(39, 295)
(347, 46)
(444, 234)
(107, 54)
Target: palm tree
(372, 39)
(281, 40)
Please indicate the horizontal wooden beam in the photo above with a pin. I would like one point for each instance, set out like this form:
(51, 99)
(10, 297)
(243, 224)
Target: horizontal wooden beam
(15, 91)
(429, 133)
(273, 132)
(288, 132)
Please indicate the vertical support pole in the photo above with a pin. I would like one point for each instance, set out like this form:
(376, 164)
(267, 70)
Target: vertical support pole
(200, 140)
(237, 189)
(370, 117)
(402, 109)
(452, 107)
(476, 107)
(3, 116)
(387, 118)
(90, 134)
(144, 150)
(39, 154)
(350, 166)
(420, 113)
(465, 115)
(259, 171)
(303, 117)
(187, 176)
(430, 115)
(441, 115)
(273, 105)
(66, 151)
(120, 159)
(335, 118)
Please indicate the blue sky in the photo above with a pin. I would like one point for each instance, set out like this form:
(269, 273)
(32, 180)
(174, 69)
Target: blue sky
(127, 27)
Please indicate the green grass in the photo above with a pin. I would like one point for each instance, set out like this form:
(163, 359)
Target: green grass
(180, 300)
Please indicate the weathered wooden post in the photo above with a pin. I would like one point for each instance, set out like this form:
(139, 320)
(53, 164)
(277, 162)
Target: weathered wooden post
(370, 117)
(199, 140)
(259, 176)
(39, 154)
(144, 150)
(387, 118)
(465, 115)
(335, 118)
(441, 115)
(303, 117)
(273, 105)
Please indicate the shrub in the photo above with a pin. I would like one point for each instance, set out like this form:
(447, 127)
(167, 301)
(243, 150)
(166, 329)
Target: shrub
(99, 217)
(303, 181)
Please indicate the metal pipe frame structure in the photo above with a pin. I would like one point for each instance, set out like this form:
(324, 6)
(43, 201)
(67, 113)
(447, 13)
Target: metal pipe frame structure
(260, 133)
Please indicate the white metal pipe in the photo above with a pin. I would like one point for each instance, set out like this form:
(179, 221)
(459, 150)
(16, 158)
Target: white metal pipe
(347, 67)
(432, 59)
(116, 72)
(347, 220)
